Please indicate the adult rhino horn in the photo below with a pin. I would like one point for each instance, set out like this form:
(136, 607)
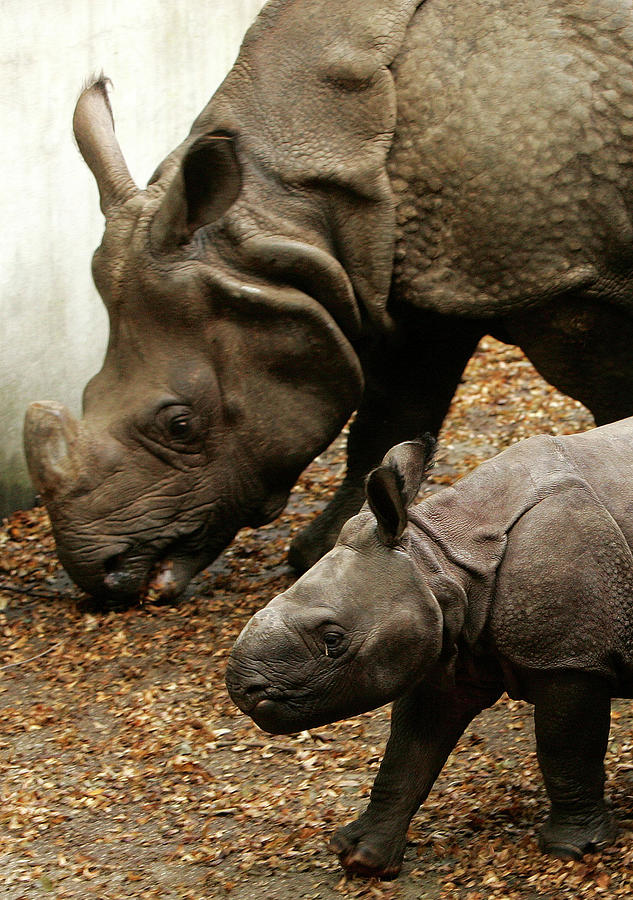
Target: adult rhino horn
(50, 436)
(93, 126)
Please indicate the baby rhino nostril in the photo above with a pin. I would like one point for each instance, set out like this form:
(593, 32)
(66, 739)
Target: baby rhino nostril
(246, 686)
(256, 688)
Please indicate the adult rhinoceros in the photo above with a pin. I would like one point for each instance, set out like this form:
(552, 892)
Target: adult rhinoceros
(376, 185)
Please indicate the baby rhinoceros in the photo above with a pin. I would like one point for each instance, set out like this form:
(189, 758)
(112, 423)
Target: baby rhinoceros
(519, 578)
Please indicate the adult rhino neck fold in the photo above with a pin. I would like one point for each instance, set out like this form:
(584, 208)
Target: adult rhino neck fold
(311, 270)
(331, 146)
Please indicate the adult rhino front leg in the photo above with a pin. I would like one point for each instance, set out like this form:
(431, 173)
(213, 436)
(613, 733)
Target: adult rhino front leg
(410, 381)
(425, 726)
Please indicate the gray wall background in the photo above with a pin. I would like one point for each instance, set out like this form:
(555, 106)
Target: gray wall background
(165, 60)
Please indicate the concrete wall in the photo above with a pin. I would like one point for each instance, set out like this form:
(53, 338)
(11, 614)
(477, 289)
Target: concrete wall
(165, 59)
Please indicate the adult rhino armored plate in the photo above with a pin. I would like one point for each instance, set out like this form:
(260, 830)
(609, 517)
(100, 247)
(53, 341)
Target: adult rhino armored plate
(443, 606)
(376, 185)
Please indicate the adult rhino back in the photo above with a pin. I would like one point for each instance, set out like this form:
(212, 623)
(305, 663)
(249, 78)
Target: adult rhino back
(374, 187)
(514, 117)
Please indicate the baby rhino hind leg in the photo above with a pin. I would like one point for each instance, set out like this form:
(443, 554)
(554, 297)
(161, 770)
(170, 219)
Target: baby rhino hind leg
(572, 719)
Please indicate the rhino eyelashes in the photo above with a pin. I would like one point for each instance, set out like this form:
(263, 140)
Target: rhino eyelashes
(177, 423)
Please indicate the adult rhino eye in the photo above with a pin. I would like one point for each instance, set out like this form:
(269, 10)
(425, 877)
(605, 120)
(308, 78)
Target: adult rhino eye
(177, 423)
(180, 427)
(333, 641)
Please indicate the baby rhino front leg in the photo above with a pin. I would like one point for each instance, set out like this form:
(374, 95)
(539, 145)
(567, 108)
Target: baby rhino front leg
(571, 718)
(425, 726)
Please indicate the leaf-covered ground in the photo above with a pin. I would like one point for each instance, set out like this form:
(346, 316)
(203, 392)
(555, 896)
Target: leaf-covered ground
(125, 772)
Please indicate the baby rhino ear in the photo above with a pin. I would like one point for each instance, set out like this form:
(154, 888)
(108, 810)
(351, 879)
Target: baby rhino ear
(393, 486)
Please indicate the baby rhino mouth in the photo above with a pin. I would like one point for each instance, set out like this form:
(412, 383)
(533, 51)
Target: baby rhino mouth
(274, 707)
(264, 703)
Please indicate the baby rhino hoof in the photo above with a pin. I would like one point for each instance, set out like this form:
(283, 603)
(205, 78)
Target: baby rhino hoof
(363, 854)
(572, 841)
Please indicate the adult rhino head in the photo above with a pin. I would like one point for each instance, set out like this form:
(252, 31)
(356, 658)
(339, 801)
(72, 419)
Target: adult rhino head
(371, 177)
(218, 386)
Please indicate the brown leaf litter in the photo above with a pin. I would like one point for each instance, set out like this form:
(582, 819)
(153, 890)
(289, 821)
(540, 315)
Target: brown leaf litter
(125, 771)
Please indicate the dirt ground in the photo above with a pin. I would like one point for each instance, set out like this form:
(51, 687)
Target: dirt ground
(125, 771)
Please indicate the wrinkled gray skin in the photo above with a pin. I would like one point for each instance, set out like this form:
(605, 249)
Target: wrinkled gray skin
(376, 185)
(518, 578)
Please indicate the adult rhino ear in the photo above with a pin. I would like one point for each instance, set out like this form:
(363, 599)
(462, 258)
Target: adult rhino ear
(393, 486)
(205, 186)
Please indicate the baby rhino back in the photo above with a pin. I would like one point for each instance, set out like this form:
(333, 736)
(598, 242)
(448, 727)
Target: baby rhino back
(564, 591)
(604, 458)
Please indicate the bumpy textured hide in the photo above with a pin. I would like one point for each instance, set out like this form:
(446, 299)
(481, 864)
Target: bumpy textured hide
(471, 521)
(569, 606)
(319, 116)
(512, 155)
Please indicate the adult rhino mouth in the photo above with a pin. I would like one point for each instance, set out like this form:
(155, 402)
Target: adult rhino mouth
(157, 574)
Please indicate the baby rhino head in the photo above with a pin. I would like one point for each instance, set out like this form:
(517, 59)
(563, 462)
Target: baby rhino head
(358, 629)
